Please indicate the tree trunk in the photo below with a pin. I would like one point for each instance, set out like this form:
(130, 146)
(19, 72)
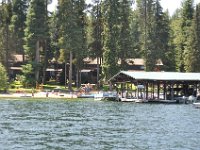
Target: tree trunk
(65, 74)
(7, 48)
(45, 62)
(98, 72)
(80, 80)
(77, 78)
(70, 71)
(37, 60)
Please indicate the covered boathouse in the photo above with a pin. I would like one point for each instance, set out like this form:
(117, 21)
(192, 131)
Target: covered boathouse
(156, 85)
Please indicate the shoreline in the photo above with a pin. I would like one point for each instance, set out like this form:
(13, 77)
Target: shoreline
(45, 95)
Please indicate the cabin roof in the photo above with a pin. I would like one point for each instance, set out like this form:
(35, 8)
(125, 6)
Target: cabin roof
(129, 61)
(156, 76)
(16, 58)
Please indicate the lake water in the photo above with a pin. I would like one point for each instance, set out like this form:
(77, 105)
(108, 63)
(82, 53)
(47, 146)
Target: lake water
(88, 125)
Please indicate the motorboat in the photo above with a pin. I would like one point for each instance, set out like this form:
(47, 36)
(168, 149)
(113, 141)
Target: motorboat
(196, 104)
(110, 95)
(123, 99)
(191, 99)
(86, 96)
(141, 100)
(98, 97)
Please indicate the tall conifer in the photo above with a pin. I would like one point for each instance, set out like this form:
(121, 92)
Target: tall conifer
(5, 34)
(111, 39)
(18, 24)
(72, 33)
(125, 48)
(96, 45)
(192, 53)
(36, 34)
(187, 16)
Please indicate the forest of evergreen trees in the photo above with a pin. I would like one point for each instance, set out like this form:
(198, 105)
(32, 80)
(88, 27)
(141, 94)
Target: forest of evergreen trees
(109, 30)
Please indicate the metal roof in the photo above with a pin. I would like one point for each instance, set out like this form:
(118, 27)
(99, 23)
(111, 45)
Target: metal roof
(164, 76)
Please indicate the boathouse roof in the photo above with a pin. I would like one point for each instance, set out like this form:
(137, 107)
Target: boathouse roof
(155, 76)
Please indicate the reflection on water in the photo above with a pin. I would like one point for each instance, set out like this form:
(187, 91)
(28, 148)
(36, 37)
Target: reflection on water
(87, 124)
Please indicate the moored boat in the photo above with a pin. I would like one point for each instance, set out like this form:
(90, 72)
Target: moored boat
(196, 105)
(86, 96)
(141, 100)
(98, 97)
(127, 99)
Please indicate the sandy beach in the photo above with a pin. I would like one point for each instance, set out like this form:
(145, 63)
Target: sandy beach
(39, 95)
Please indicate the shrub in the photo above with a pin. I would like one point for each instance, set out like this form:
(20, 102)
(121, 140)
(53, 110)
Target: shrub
(3, 78)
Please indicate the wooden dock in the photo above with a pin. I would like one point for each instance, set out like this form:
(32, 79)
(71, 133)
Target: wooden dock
(157, 87)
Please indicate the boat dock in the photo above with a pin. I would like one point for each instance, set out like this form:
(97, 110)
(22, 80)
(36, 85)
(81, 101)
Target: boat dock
(156, 87)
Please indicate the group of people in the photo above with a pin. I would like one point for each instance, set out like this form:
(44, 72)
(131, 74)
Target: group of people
(86, 89)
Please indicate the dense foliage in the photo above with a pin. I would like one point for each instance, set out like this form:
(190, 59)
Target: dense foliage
(3, 78)
(5, 34)
(109, 30)
(72, 36)
(192, 52)
(36, 35)
(17, 25)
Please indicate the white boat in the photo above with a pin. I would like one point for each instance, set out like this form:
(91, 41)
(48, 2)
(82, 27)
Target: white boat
(196, 105)
(103, 95)
(191, 99)
(86, 96)
(123, 99)
(141, 100)
(98, 97)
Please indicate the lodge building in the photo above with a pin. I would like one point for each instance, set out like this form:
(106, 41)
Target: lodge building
(57, 70)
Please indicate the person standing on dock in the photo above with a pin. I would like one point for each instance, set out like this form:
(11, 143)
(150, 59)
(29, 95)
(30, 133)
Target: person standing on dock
(32, 92)
(47, 93)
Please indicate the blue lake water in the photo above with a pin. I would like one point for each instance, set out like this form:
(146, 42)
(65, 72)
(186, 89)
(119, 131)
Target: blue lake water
(88, 125)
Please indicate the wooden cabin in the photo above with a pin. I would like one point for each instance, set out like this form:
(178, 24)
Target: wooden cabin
(89, 72)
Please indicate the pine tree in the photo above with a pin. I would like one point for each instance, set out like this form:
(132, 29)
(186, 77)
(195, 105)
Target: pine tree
(54, 35)
(81, 47)
(111, 39)
(155, 34)
(67, 22)
(125, 32)
(192, 53)
(168, 57)
(148, 20)
(176, 36)
(5, 35)
(187, 15)
(161, 33)
(36, 34)
(96, 45)
(3, 78)
(18, 24)
(96, 29)
(72, 32)
(135, 31)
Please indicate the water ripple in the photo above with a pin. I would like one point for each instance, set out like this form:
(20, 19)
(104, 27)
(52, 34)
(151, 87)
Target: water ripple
(85, 125)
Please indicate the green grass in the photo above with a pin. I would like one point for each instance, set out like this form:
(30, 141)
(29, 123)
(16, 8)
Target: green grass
(16, 86)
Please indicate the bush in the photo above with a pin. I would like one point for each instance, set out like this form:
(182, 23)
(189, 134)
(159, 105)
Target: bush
(20, 81)
(3, 78)
(27, 79)
(16, 84)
